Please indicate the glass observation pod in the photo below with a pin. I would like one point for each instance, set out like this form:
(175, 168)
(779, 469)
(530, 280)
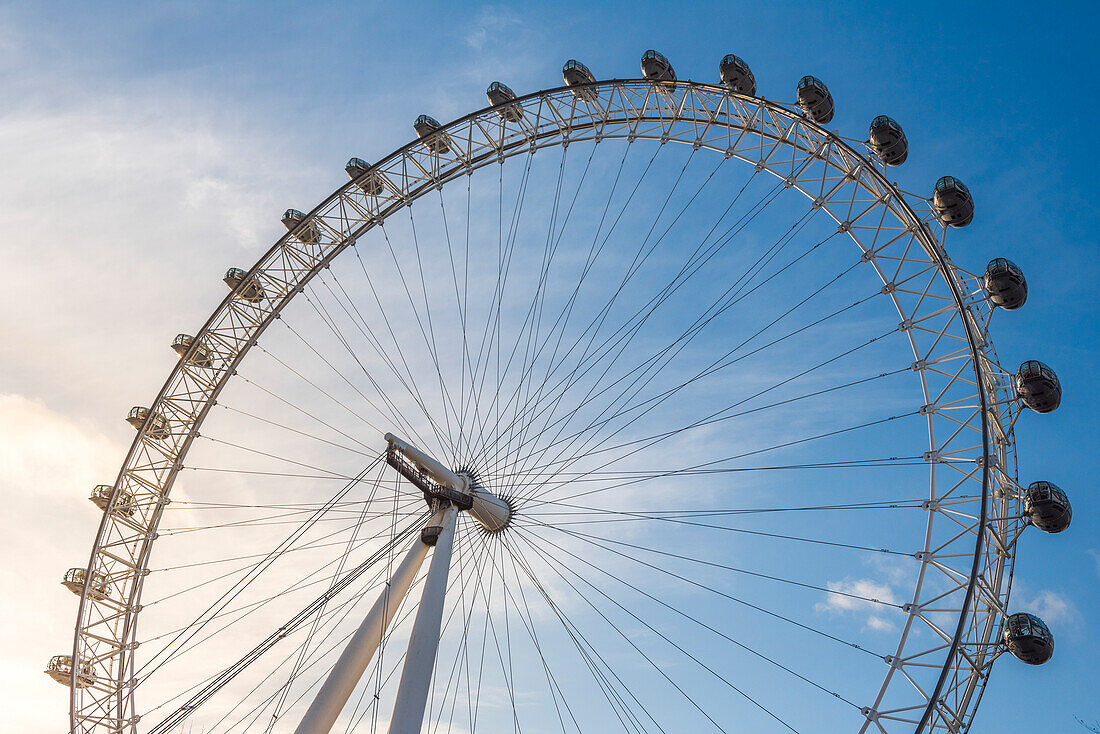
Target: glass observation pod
(60, 668)
(1005, 284)
(888, 140)
(307, 232)
(357, 170)
(201, 357)
(429, 130)
(101, 497)
(736, 75)
(656, 68)
(1037, 386)
(1047, 507)
(158, 426)
(1028, 638)
(814, 99)
(245, 288)
(500, 95)
(952, 202)
(577, 76)
(99, 589)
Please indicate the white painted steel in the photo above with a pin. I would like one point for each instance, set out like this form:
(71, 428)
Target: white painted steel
(439, 473)
(345, 675)
(491, 511)
(416, 674)
(840, 177)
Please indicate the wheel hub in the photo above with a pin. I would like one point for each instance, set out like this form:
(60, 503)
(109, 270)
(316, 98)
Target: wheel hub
(460, 488)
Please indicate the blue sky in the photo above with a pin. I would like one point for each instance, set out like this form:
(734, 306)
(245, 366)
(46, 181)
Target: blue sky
(136, 136)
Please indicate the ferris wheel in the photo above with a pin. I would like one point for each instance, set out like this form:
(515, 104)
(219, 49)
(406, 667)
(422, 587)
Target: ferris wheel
(548, 425)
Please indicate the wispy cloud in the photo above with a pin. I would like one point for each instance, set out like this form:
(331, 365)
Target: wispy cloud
(854, 597)
(117, 207)
(50, 464)
(1051, 606)
(117, 201)
(490, 23)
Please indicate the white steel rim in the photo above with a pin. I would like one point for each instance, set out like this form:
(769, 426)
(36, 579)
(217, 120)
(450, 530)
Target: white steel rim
(764, 134)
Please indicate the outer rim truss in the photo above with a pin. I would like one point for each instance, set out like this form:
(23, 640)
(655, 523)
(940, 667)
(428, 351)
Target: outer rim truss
(764, 134)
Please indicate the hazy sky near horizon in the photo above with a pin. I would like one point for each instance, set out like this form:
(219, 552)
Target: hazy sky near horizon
(148, 147)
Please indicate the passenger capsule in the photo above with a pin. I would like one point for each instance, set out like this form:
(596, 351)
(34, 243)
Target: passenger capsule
(1028, 638)
(200, 357)
(736, 75)
(158, 426)
(101, 497)
(577, 75)
(952, 202)
(246, 288)
(99, 589)
(655, 67)
(307, 232)
(1047, 507)
(815, 100)
(357, 170)
(888, 141)
(1037, 386)
(429, 130)
(501, 96)
(60, 668)
(1005, 284)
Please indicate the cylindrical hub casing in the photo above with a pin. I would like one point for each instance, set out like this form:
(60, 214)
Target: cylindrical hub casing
(491, 511)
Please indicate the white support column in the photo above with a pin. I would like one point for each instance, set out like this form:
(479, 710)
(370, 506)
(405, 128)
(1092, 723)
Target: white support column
(416, 675)
(330, 700)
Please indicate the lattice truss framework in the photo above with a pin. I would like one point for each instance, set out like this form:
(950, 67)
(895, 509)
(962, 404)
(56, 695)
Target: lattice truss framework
(973, 510)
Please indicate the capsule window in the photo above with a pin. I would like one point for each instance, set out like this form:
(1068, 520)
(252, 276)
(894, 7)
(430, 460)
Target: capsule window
(356, 166)
(948, 182)
(574, 65)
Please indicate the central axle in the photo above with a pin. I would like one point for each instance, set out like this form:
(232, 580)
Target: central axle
(447, 493)
(437, 482)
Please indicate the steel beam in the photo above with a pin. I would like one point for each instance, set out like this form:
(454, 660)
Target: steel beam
(345, 675)
(416, 675)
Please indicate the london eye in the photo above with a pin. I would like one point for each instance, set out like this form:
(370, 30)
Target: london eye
(641, 404)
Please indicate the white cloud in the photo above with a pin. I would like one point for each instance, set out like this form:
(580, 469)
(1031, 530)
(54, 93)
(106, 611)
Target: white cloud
(124, 201)
(868, 588)
(878, 624)
(490, 24)
(1050, 606)
(50, 464)
(900, 573)
(123, 212)
(852, 596)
